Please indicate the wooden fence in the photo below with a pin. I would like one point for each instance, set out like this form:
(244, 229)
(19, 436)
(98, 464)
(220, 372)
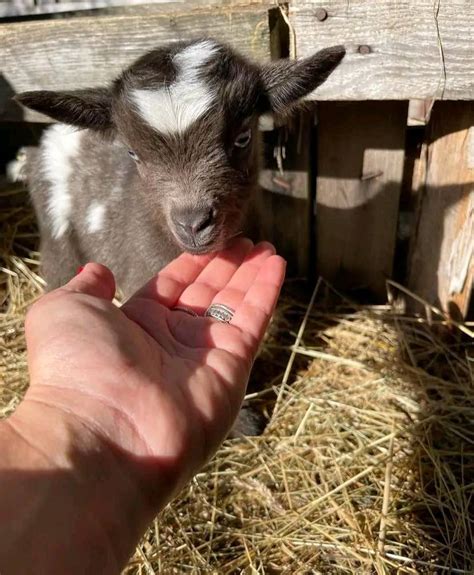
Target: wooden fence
(376, 180)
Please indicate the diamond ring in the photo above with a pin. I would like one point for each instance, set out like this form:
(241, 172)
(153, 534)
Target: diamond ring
(220, 312)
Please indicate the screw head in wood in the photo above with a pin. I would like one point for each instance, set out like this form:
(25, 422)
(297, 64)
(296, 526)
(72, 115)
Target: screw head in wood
(364, 49)
(321, 14)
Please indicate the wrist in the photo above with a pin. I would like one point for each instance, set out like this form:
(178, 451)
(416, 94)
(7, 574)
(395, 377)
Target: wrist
(71, 494)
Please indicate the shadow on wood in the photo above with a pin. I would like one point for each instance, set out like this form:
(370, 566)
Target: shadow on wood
(16, 133)
(434, 266)
(441, 266)
(8, 107)
(360, 158)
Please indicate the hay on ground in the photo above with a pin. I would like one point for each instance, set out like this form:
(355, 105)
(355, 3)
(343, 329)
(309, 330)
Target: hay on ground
(366, 466)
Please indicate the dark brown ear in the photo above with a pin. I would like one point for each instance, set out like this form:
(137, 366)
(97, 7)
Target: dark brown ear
(90, 108)
(287, 81)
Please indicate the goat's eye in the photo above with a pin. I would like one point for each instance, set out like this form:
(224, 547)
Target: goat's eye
(243, 139)
(132, 154)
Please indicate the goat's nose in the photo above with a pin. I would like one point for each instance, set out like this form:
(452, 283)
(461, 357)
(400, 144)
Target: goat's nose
(192, 222)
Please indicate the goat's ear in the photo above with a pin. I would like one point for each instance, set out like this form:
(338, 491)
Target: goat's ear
(90, 108)
(287, 81)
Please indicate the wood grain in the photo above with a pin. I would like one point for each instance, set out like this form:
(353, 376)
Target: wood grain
(360, 168)
(442, 251)
(30, 8)
(422, 49)
(78, 52)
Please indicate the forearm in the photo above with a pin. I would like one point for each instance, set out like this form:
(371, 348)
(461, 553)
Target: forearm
(67, 503)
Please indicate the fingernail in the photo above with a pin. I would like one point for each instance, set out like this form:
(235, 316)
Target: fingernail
(79, 270)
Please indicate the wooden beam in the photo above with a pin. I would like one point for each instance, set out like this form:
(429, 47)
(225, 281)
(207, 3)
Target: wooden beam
(396, 50)
(15, 8)
(71, 53)
(441, 268)
(359, 174)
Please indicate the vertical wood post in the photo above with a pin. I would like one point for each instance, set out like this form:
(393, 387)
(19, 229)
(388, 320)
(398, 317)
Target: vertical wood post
(441, 267)
(359, 173)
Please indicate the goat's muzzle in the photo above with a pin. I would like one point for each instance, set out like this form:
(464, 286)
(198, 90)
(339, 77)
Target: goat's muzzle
(194, 228)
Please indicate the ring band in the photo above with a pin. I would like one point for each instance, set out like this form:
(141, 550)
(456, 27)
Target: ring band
(220, 312)
(185, 310)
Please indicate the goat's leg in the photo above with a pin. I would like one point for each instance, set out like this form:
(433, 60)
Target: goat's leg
(248, 422)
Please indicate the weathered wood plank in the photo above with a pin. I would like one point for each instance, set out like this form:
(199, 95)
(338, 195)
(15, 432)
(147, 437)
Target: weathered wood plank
(360, 168)
(441, 268)
(78, 52)
(13, 8)
(23, 8)
(16, 7)
(417, 49)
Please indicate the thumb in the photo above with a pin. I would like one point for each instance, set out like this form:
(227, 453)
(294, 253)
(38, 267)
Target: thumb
(93, 279)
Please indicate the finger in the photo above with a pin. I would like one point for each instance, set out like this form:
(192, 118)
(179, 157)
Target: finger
(215, 276)
(243, 335)
(94, 279)
(254, 312)
(173, 279)
(234, 292)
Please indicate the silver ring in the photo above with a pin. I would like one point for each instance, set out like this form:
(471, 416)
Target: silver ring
(185, 310)
(220, 312)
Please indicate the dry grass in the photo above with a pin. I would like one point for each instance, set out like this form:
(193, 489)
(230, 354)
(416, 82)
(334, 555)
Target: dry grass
(367, 465)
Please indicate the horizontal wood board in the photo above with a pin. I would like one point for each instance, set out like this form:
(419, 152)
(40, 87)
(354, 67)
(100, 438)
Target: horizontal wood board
(80, 52)
(417, 48)
(15, 8)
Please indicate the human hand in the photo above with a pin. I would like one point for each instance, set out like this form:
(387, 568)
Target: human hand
(125, 404)
(159, 386)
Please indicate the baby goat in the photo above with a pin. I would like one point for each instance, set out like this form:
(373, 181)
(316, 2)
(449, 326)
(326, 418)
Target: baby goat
(163, 161)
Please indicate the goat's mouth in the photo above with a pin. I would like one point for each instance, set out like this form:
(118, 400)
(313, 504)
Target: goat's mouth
(213, 245)
(212, 239)
(200, 250)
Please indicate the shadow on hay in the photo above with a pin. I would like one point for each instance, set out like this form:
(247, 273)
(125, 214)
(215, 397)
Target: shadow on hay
(430, 518)
(443, 443)
(442, 510)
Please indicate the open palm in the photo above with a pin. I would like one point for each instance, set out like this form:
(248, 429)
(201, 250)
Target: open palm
(155, 381)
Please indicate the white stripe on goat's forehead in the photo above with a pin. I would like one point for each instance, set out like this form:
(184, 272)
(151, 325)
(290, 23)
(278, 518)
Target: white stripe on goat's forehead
(172, 109)
(60, 144)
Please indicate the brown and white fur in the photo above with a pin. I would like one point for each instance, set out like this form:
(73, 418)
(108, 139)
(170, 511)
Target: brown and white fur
(162, 161)
(165, 160)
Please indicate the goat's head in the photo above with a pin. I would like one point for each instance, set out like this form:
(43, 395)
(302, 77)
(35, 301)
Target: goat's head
(188, 114)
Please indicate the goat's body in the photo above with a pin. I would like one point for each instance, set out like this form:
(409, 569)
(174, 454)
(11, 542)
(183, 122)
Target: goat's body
(90, 211)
